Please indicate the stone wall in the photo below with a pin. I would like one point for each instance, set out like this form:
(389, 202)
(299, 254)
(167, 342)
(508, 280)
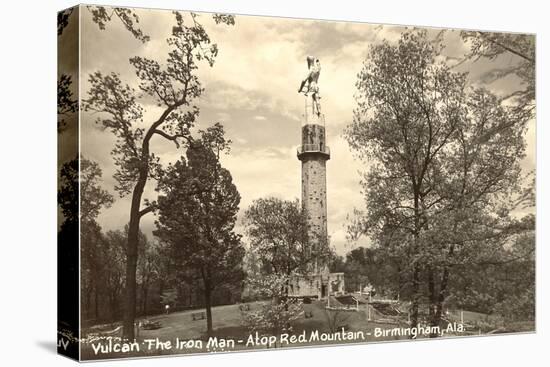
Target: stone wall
(317, 285)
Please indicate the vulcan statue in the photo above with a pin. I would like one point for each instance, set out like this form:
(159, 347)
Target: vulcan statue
(311, 84)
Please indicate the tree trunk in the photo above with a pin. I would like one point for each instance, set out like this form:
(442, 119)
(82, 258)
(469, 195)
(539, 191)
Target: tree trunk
(96, 301)
(415, 297)
(434, 321)
(141, 296)
(399, 280)
(87, 302)
(287, 289)
(145, 295)
(113, 303)
(442, 295)
(208, 306)
(416, 267)
(132, 257)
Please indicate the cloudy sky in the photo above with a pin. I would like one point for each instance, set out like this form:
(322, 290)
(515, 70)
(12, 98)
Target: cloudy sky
(252, 90)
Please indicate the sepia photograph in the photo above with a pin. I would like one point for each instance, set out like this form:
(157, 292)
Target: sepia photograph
(231, 183)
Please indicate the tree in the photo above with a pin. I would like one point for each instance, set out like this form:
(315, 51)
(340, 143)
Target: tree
(174, 87)
(92, 197)
(66, 104)
(277, 231)
(67, 242)
(63, 20)
(114, 274)
(356, 267)
(502, 282)
(81, 199)
(92, 200)
(336, 318)
(67, 194)
(336, 263)
(441, 185)
(149, 268)
(374, 266)
(275, 315)
(101, 16)
(197, 213)
(517, 280)
(521, 47)
(91, 270)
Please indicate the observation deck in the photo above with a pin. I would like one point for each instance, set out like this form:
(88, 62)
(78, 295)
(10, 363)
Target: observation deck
(305, 150)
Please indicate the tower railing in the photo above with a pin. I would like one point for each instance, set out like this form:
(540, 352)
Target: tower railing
(311, 148)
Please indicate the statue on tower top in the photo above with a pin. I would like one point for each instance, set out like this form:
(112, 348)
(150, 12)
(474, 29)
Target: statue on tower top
(311, 85)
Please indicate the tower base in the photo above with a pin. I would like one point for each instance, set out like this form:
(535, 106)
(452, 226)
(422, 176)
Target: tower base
(317, 285)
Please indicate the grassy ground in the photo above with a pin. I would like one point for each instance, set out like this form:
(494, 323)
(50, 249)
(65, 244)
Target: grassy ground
(227, 321)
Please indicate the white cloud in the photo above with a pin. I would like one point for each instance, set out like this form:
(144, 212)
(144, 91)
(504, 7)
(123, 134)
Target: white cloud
(224, 116)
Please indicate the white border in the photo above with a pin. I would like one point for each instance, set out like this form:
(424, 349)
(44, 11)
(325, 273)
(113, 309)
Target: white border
(28, 153)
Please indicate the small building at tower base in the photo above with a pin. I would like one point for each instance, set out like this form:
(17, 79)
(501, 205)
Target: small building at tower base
(317, 285)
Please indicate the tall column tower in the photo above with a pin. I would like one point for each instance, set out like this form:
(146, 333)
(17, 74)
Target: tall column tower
(313, 153)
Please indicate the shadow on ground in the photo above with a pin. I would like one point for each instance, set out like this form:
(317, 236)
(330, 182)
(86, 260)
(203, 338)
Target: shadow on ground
(48, 345)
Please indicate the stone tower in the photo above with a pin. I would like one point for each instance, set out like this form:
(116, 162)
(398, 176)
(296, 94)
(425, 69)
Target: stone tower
(313, 153)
